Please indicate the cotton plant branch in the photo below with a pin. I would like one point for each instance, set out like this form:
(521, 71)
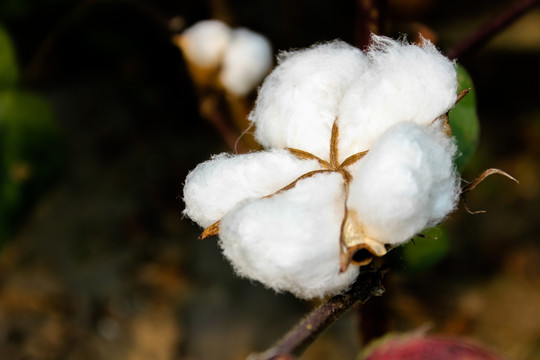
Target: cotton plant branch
(369, 20)
(210, 108)
(489, 30)
(295, 342)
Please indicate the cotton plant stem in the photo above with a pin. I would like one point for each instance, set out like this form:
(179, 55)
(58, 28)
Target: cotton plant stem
(373, 319)
(212, 110)
(306, 331)
(486, 33)
(369, 20)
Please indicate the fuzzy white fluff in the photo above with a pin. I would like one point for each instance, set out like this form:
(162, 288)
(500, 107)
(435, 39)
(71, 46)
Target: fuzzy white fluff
(205, 42)
(217, 185)
(406, 183)
(388, 101)
(288, 242)
(246, 61)
(298, 102)
(404, 83)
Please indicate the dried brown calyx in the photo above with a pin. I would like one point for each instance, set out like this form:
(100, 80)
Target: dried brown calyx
(471, 186)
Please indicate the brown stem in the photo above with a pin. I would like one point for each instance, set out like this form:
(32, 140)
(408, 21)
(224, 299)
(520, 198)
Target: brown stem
(306, 331)
(369, 20)
(373, 319)
(482, 36)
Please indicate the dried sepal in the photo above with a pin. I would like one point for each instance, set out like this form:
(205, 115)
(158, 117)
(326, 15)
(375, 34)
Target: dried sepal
(471, 186)
(304, 155)
(483, 176)
(293, 184)
(334, 145)
(210, 231)
(352, 159)
(445, 124)
(461, 95)
(355, 247)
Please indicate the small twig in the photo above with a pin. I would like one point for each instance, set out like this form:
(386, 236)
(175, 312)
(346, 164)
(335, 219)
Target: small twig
(482, 36)
(461, 95)
(210, 110)
(306, 331)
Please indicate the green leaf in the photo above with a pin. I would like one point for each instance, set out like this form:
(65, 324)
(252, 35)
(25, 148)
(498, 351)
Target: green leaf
(30, 152)
(9, 71)
(464, 120)
(424, 252)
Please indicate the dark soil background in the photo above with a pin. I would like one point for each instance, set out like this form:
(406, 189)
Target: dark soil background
(103, 266)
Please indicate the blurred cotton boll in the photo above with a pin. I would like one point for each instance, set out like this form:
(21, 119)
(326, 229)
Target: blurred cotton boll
(205, 42)
(234, 60)
(247, 59)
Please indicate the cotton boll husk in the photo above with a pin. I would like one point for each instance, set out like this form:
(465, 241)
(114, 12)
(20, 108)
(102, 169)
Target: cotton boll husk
(205, 42)
(298, 102)
(246, 61)
(405, 83)
(290, 241)
(217, 185)
(406, 183)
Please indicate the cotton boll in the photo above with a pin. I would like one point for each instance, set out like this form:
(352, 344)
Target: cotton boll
(405, 83)
(205, 42)
(290, 241)
(217, 185)
(298, 102)
(405, 183)
(247, 59)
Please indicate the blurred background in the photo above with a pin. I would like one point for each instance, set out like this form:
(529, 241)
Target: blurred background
(96, 261)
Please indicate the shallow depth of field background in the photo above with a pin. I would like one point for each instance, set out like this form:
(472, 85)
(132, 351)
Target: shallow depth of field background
(103, 266)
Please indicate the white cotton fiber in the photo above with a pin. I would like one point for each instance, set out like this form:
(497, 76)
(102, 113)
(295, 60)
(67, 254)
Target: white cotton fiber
(404, 83)
(298, 102)
(217, 185)
(205, 42)
(290, 242)
(405, 183)
(246, 61)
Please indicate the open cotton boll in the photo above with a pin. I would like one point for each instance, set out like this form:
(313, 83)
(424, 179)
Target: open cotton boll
(298, 102)
(404, 83)
(205, 42)
(217, 185)
(246, 61)
(289, 242)
(405, 183)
